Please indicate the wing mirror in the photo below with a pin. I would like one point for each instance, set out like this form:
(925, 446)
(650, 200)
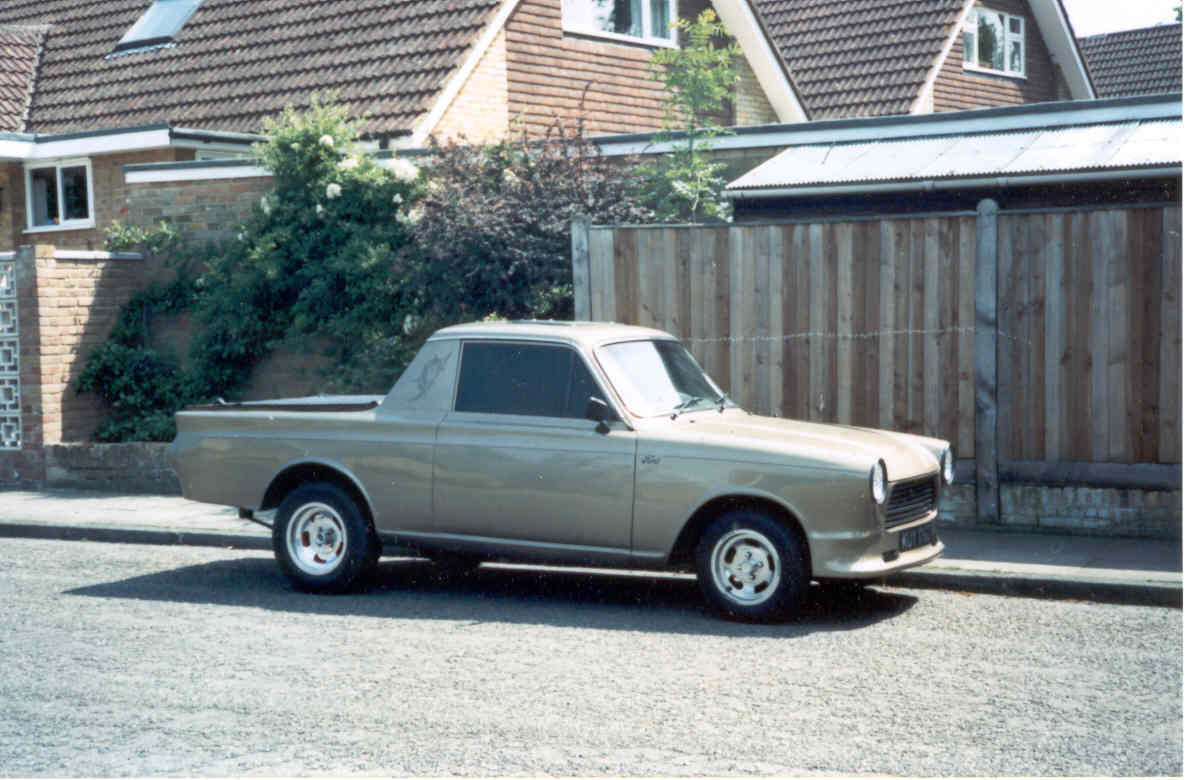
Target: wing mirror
(599, 411)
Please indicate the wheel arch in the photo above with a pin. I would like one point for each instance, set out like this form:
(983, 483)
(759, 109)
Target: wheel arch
(685, 548)
(297, 474)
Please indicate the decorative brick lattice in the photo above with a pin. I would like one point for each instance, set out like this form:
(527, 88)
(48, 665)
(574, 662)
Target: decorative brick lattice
(10, 381)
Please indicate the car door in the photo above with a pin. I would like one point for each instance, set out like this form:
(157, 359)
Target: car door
(517, 461)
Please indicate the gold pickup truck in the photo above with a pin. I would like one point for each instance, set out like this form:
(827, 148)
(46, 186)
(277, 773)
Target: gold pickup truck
(569, 443)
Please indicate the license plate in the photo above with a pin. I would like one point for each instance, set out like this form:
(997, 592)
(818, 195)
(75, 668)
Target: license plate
(920, 536)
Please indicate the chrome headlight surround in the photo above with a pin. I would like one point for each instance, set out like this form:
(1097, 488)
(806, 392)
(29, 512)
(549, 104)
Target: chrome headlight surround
(879, 482)
(946, 464)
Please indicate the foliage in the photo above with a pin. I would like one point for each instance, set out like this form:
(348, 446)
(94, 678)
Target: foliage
(493, 235)
(699, 79)
(141, 385)
(357, 256)
(315, 259)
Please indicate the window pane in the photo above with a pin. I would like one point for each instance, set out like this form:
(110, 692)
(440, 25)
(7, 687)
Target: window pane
(658, 377)
(1015, 60)
(74, 192)
(514, 379)
(616, 16)
(1014, 25)
(161, 20)
(661, 10)
(969, 47)
(991, 41)
(43, 194)
(581, 387)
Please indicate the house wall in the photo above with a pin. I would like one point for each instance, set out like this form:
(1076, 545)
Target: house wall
(549, 71)
(107, 172)
(957, 89)
(206, 211)
(479, 113)
(751, 105)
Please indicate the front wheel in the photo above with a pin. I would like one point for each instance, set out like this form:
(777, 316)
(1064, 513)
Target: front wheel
(321, 539)
(752, 566)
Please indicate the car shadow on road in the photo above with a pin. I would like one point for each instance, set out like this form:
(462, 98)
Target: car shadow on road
(418, 589)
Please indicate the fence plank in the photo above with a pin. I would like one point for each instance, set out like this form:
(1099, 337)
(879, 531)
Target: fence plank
(1115, 247)
(931, 339)
(722, 309)
(1053, 336)
(966, 342)
(916, 323)
(1170, 351)
(778, 244)
(845, 299)
(1034, 443)
(1079, 338)
(948, 328)
(885, 364)
(626, 273)
(601, 271)
(987, 477)
(1144, 231)
(1101, 259)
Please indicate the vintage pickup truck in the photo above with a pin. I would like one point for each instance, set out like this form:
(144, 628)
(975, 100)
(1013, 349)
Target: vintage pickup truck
(569, 443)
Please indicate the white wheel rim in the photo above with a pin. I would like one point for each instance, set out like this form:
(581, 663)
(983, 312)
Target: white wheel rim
(316, 539)
(746, 566)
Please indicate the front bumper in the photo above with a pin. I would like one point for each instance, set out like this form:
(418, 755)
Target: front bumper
(875, 555)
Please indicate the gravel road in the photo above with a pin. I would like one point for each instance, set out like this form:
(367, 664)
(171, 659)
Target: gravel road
(139, 660)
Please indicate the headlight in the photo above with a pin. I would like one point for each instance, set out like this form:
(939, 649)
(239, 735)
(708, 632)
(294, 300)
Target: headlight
(879, 482)
(947, 465)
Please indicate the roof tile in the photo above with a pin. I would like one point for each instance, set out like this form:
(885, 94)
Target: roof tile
(19, 49)
(1136, 62)
(854, 58)
(237, 62)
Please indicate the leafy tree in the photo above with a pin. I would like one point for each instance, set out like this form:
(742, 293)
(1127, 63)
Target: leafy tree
(493, 233)
(699, 79)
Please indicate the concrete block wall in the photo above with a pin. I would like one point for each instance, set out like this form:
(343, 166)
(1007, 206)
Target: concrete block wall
(206, 211)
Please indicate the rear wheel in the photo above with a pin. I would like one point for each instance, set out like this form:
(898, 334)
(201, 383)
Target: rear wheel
(322, 541)
(752, 566)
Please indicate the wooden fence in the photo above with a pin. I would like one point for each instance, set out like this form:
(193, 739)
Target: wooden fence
(1053, 346)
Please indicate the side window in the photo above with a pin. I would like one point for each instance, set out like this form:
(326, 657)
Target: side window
(531, 379)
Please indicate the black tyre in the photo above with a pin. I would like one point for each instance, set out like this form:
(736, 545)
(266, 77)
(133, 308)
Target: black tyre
(752, 566)
(322, 540)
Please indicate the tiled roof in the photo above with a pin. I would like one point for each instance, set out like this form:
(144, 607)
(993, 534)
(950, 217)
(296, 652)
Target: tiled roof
(238, 61)
(853, 58)
(1136, 62)
(19, 48)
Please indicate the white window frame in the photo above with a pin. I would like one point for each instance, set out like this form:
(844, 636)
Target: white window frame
(971, 28)
(58, 165)
(645, 13)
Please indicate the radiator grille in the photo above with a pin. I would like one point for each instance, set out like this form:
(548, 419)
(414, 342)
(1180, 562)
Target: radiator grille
(911, 500)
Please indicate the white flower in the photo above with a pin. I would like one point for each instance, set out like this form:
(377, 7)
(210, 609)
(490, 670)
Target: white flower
(397, 199)
(409, 323)
(510, 178)
(326, 140)
(295, 146)
(403, 169)
(265, 205)
(333, 191)
(399, 217)
(416, 214)
(319, 209)
(348, 163)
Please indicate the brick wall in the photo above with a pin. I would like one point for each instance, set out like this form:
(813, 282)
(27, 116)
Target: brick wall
(109, 198)
(958, 89)
(479, 113)
(204, 210)
(751, 105)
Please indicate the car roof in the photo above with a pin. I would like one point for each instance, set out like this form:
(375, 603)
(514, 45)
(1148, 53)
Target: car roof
(580, 332)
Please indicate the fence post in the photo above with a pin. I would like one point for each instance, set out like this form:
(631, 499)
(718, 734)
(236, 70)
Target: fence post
(582, 305)
(987, 480)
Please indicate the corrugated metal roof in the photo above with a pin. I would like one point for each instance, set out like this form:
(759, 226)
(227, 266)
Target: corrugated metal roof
(1110, 146)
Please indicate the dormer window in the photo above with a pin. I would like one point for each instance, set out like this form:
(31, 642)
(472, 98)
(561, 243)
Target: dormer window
(994, 42)
(159, 24)
(640, 21)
